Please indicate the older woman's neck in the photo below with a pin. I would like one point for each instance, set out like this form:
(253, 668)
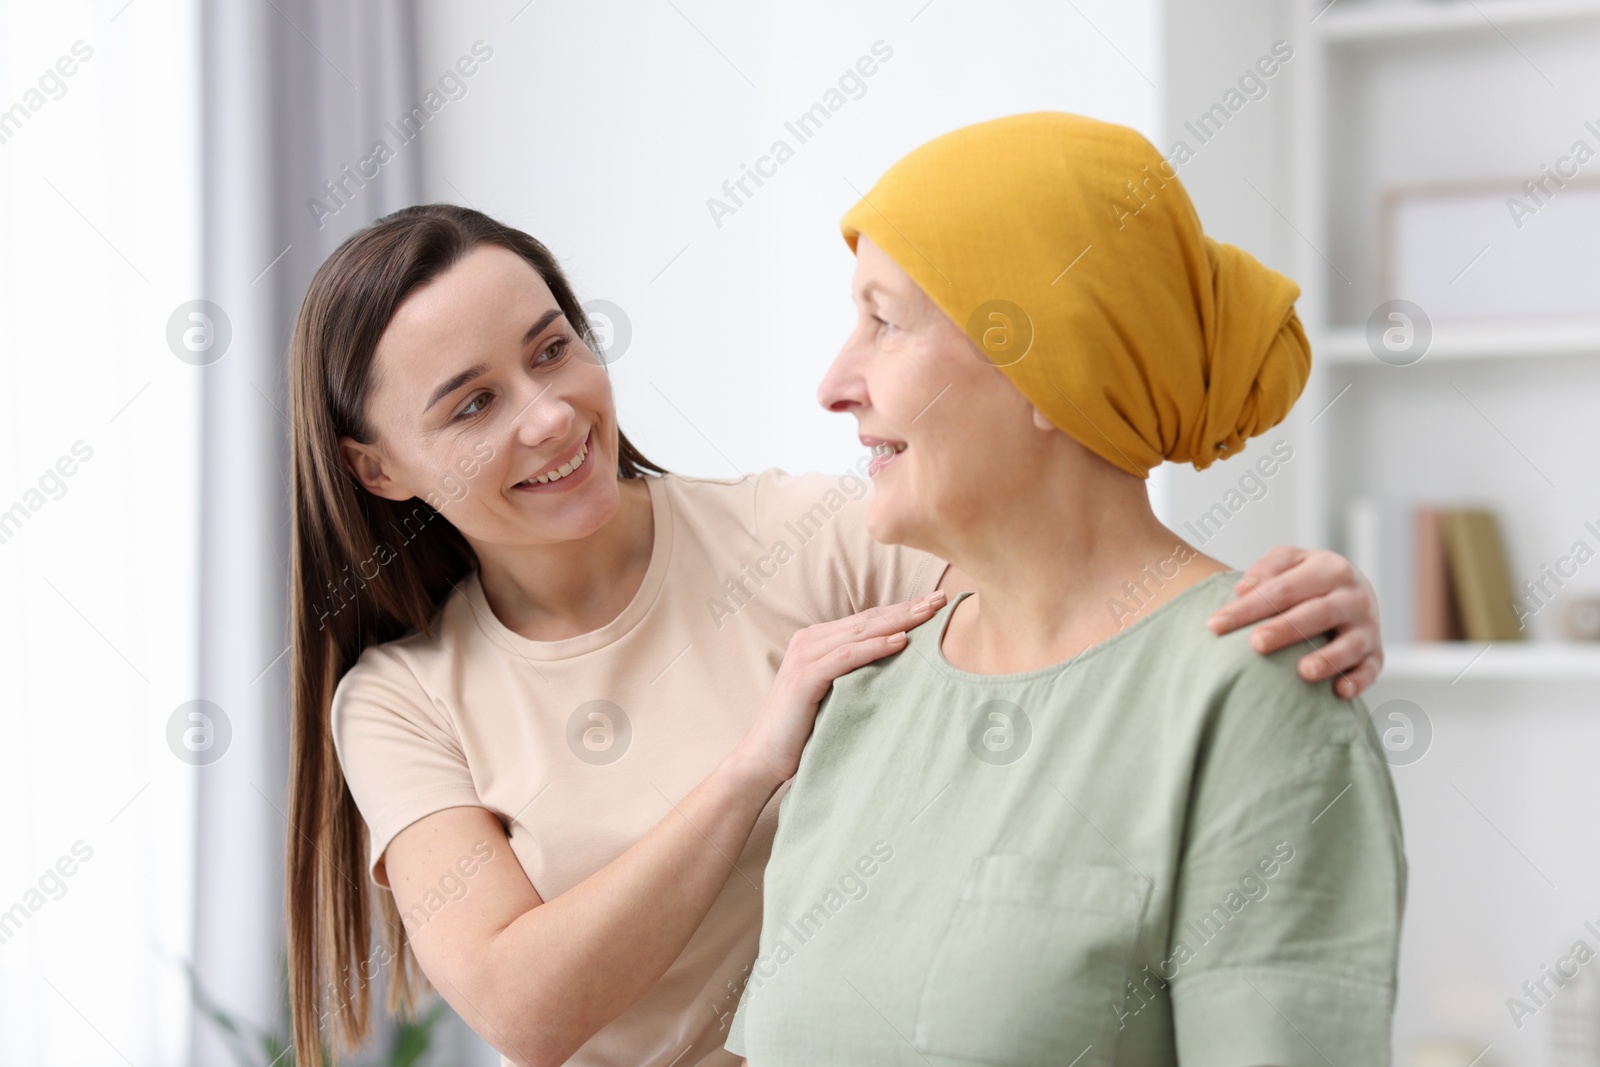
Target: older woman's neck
(1064, 573)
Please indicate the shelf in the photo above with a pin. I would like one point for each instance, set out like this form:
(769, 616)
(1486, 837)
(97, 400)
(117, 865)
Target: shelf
(1356, 21)
(1462, 341)
(1461, 662)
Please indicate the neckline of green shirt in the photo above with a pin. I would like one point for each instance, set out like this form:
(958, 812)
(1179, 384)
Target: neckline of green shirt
(928, 639)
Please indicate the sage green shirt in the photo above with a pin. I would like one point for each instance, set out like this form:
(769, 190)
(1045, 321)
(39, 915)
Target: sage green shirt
(1169, 849)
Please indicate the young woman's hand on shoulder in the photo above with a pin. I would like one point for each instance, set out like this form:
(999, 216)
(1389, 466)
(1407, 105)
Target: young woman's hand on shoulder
(770, 752)
(1303, 592)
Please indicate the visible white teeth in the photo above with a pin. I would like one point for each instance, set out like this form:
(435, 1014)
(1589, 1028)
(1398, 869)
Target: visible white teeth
(565, 469)
(887, 450)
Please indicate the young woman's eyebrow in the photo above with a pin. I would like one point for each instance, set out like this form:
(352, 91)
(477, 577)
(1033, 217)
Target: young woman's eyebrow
(539, 324)
(457, 381)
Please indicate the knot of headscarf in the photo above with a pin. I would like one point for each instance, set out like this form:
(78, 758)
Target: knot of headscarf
(1070, 253)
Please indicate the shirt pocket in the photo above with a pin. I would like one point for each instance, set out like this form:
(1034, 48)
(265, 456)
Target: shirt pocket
(1032, 964)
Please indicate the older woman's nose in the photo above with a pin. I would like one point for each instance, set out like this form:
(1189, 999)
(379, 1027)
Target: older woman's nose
(842, 386)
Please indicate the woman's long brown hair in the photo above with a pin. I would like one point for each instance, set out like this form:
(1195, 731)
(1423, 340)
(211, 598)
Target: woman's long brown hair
(337, 610)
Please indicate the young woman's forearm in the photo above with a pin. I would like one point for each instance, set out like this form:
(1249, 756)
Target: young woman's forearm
(560, 971)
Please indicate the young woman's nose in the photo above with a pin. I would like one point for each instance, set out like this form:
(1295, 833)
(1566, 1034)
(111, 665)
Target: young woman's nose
(542, 416)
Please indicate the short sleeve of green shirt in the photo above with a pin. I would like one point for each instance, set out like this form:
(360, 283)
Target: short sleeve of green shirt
(735, 1042)
(1287, 903)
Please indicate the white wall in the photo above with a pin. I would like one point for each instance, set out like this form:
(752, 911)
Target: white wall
(1235, 180)
(603, 129)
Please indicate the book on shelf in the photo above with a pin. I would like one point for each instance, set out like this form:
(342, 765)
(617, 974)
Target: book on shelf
(1438, 612)
(1441, 573)
(1479, 575)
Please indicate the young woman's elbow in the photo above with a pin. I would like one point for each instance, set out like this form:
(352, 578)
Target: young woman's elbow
(535, 1015)
(530, 1026)
(542, 1048)
(537, 1059)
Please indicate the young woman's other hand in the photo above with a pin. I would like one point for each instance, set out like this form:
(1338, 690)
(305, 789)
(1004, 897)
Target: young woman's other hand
(1301, 593)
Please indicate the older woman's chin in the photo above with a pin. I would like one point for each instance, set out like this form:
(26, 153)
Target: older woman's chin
(886, 519)
(900, 519)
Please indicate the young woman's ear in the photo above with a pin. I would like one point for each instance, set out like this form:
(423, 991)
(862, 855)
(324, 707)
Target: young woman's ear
(367, 465)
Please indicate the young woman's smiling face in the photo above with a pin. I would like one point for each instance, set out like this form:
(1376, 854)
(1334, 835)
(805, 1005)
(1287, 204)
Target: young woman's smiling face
(968, 442)
(480, 384)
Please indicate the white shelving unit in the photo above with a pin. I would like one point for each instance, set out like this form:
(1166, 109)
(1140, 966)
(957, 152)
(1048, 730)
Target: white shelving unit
(1535, 340)
(1462, 662)
(1369, 20)
(1407, 92)
(1494, 769)
(1498, 803)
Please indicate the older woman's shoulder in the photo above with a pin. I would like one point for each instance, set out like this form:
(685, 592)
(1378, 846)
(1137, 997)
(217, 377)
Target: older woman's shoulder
(1255, 700)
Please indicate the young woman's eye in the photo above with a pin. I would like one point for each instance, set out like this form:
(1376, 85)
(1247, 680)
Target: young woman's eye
(883, 324)
(555, 349)
(558, 346)
(469, 411)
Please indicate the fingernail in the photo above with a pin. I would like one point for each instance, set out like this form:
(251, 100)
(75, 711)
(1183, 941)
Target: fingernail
(1258, 642)
(897, 638)
(938, 596)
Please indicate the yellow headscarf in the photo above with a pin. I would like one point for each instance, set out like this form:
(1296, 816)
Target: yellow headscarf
(1071, 255)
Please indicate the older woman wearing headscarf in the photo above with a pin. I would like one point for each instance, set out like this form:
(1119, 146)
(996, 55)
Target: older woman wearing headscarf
(1066, 824)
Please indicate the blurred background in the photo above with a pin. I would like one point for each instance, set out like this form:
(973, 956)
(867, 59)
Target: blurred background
(172, 171)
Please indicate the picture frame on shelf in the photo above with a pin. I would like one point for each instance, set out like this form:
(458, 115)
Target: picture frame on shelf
(1494, 250)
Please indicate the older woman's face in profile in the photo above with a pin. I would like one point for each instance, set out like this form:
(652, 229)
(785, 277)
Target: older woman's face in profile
(964, 436)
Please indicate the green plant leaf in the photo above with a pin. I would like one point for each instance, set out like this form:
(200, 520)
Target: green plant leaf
(237, 1035)
(413, 1037)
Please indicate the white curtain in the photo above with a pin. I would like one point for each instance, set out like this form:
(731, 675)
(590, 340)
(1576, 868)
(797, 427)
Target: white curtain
(99, 528)
(296, 92)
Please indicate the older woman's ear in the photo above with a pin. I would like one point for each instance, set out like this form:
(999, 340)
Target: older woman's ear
(1039, 420)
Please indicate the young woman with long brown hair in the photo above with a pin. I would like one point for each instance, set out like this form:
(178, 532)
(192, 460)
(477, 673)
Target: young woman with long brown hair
(545, 692)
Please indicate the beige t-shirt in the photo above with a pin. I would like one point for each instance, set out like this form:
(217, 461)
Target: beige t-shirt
(581, 746)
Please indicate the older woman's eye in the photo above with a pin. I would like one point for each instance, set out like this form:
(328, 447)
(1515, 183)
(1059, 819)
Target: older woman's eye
(883, 323)
(469, 410)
